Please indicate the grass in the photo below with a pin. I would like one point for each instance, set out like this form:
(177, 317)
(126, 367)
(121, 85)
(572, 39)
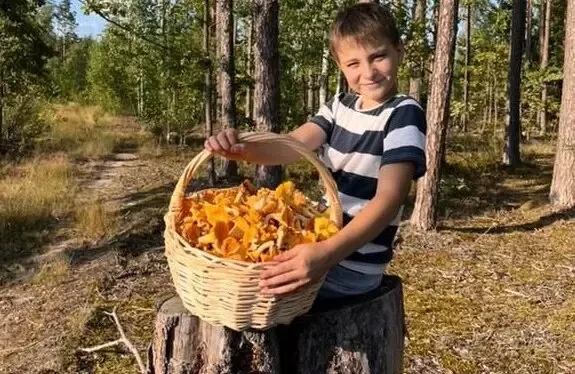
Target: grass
(490, 291)
(94, 219)
(53, 272)
(34, 195)
(39, 192)
(87, 132)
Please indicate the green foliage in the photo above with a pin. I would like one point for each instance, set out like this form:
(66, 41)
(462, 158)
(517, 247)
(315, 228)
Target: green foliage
(23, 122)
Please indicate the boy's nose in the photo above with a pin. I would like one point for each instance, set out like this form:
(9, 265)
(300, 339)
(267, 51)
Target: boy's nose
(369, 72)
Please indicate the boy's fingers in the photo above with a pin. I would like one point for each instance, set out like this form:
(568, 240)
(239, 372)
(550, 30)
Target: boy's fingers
(232, 136)
(288, 288)
(223, 140)
(284, 256)
(215, 145)
(280, 280)
(238, 148)
(207, 146)
(274, 271)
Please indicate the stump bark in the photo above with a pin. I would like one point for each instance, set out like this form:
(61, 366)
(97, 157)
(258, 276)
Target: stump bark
(357, 335)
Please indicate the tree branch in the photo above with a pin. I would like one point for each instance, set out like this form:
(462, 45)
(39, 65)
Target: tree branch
(123, 340)
(123, 27)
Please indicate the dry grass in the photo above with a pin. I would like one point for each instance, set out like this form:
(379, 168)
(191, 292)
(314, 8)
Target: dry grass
(86, 132)
(491, 291)
(33, 196)
(53, 272)
(94, 219)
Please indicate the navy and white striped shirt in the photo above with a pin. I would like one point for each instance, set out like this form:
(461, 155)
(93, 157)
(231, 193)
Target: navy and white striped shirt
(359, 142)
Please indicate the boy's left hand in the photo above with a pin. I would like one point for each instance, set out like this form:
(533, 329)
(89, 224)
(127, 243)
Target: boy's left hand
(295, 268)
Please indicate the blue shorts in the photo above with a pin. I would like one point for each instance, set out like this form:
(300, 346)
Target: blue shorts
(342, 282)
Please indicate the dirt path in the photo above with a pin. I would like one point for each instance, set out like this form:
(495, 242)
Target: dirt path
(46, 311)
(490, 292)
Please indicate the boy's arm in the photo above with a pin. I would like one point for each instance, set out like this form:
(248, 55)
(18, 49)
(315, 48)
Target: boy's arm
(305, 263)
(394, 182)
(310, 134)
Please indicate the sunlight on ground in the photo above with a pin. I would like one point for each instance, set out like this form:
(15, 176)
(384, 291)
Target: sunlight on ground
(491, 291)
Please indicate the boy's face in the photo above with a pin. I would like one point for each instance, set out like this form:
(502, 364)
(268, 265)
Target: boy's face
(371, 71)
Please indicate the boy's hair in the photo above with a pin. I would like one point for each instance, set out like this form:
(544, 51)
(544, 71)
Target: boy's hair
(368, 23)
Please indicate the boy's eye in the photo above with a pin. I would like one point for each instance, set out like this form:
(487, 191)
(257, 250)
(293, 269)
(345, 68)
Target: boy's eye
(381, 56)
(352, 65)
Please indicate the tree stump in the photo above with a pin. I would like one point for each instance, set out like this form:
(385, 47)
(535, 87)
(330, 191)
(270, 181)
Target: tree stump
(358, 335)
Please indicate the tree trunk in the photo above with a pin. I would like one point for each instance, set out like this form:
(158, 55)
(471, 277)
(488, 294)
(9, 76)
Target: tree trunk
(310, 97)
(341, 83)
(226, 73)
(563, 185)
(540, 51)
(466, 73)
(425, 210)
(266, 77)
(511, 156)
(1, 110)
(249, 68)
(363, 337)
(208, 88)
(528, 37)
(544, 64)
(324, 78)
(417, 40)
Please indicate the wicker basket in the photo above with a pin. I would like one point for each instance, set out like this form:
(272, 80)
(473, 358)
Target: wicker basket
(226, 292)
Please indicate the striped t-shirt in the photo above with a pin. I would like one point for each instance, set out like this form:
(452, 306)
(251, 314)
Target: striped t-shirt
(359, 142)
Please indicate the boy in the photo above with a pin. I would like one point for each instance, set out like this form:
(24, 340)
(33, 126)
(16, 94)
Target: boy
(373, 143)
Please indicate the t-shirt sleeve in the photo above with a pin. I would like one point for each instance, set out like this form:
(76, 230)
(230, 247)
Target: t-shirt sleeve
(325, 117)
(404, 138)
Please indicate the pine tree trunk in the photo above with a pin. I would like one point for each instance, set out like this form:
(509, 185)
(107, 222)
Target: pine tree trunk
(310, 98)
(208, 89)
(563, 185)
(1, 110)
(466, 73)
(249, 68)
(418, 37)
(365, 336)
(544, 64)
(528, 37)
(425, 210)
(341, 83)
(489, 103)
(511, 155)
(324, 78)
(266, 76)
(226, 73)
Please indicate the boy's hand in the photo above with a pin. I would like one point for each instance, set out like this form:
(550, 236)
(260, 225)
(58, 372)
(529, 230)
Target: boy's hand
(226, 144)
(295, 268)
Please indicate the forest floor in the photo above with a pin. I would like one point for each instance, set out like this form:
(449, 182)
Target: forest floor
(492, 290)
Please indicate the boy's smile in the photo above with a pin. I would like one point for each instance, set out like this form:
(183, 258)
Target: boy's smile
(371, 71)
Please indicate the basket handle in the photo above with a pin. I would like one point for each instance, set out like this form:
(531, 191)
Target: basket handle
(176, 201)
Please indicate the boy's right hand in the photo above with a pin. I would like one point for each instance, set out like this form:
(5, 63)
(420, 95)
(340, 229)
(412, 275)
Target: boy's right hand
(226, 144)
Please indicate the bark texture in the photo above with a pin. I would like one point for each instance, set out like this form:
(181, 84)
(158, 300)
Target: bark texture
(208, 88)
(424, 215)
(226, 73)
(363, 337)
(418, 40)
(563, 185)
(544, 65)
(511, 155)
(266, 77)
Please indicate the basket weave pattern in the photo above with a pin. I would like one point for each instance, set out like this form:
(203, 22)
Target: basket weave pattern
(226, 292)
